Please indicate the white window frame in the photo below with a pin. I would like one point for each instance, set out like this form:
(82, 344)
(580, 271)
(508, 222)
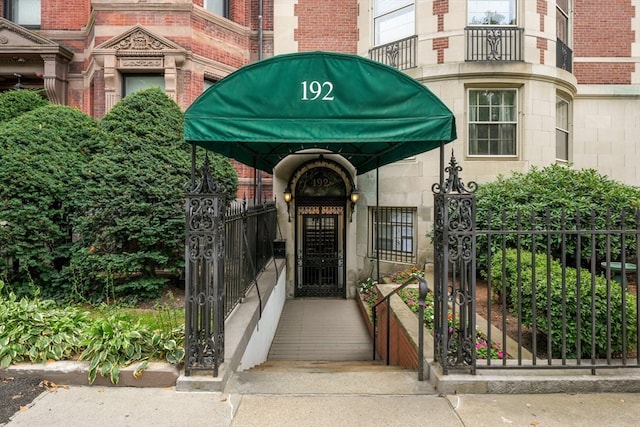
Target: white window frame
(488, 123)
(563, 16)
(563, 133)
(393, 20)
(397, 228)
(492, 12)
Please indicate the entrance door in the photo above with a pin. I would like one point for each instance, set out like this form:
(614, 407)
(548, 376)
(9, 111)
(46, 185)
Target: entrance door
(320, 249)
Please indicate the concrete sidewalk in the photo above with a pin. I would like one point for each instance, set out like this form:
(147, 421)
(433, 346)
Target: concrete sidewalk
(321, 397)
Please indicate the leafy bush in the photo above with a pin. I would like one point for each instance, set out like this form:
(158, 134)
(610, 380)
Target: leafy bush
(14, 103)
(134, 201)
(42, 152)
(39, 330)
(550, 295)
(524, 200)
(119, 339)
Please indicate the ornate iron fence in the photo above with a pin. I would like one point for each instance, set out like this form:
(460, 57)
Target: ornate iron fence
(400, 54)
(493, 43)
(226, 248)
(550, 292)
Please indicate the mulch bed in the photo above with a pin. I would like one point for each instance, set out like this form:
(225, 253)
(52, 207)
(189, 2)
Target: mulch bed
(16, 394)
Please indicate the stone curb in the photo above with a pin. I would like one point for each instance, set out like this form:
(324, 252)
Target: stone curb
(67, 372)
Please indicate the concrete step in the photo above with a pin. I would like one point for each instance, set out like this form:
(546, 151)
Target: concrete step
(328, 377)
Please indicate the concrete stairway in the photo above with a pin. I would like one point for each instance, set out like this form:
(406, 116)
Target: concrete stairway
(321, 329)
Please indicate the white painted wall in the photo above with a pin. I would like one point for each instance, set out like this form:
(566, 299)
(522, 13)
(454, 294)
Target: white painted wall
(260, 342)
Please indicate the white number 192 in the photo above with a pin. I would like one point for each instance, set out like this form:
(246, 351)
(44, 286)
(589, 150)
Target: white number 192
(314, 90)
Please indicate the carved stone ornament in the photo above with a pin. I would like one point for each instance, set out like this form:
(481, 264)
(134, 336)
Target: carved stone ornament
(140, 40)
(142, 62)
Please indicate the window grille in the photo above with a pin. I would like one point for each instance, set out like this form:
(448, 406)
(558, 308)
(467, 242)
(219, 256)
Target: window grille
(393, 233)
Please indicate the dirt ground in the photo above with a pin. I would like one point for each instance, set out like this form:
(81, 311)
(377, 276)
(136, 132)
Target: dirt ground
(482, 299)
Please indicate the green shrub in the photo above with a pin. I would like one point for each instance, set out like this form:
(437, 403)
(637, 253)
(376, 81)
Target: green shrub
(42, 152)
(561, 193)
(14, 103)
(37, 330)
(134, 201)
(550, 294)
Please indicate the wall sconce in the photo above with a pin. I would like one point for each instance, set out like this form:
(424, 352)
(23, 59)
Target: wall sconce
(354, 197)
(288, 197)
(18, 85)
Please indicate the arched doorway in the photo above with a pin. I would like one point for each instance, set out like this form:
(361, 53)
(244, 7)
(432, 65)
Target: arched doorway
(321, 189)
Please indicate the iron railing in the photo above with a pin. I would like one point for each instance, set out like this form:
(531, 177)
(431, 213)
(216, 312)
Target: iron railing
(564, 56)
(559, 292)
(400, 54)
(249, 234)
(493, 43)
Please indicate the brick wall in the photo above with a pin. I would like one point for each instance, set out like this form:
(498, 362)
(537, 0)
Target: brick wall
(65, 14)
(603, 29)
(439, 44)
(327, 25)
(402, 350)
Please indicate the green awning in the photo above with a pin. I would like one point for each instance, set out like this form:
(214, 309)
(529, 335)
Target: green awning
(368, 112)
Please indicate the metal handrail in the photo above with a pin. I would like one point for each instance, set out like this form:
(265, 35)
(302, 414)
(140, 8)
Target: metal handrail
(423, 289)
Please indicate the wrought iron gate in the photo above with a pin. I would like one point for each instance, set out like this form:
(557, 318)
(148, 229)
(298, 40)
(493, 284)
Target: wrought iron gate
(320, 249)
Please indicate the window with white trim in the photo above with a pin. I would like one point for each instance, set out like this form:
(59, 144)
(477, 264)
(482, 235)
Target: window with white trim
(23, 12)
(493, 122)
(135, 82)
(491, 12)
(393, 20)
(393, 233)
(562, 129)
(562, 21)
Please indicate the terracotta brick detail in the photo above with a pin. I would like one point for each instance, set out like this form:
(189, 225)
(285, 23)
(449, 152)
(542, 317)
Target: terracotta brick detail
(439, 45)
(327, 25)
(440, 8)
(542, 45)
(541, 9)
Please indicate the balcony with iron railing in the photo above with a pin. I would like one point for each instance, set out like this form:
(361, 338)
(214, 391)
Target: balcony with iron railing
(493, 43)
(400, 54)
(564, 56)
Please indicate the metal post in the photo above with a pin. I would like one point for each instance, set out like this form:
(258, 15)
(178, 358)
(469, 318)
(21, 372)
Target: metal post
(204, 275)
(423, 289)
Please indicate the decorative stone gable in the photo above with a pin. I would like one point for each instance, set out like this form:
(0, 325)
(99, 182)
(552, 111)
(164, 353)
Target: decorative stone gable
(134, 51)
(139, 39)
(26, 53)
